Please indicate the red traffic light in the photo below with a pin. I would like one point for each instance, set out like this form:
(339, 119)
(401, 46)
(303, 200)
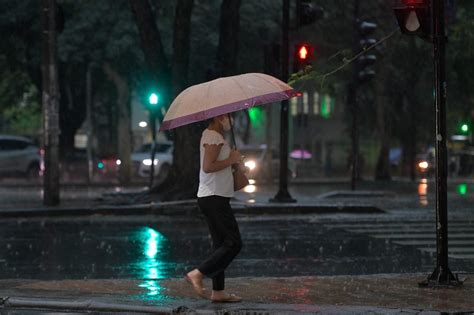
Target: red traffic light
(414, 2)
(303, 53)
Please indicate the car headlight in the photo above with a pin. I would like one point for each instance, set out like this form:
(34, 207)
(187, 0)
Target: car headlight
(251, 165)
(147, 162)
(423, 165)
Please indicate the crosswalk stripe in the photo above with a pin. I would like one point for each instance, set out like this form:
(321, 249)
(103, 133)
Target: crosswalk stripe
(433, 242)
(398, 225)
(452, 250)
(420, 234)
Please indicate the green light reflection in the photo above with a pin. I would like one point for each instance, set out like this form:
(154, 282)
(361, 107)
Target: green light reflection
(152, 261)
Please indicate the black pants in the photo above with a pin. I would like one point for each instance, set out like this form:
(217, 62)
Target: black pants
(226, 241)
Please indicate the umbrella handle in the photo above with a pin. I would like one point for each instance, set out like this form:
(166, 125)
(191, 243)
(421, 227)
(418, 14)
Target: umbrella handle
(232, 131)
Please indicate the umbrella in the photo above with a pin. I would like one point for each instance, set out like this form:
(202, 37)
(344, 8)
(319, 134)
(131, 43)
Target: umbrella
(225, 95)
(301, 154)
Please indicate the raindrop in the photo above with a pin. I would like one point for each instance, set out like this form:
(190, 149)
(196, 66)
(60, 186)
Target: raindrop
(9, 246)
(321, 250)
(340, 248)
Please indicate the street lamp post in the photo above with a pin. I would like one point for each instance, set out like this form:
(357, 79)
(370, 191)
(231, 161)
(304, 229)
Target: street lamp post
(283, 194)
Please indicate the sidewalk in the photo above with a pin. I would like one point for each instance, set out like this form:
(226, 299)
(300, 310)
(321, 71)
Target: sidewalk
(375, 294)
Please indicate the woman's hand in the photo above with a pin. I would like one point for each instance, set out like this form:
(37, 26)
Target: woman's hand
(235, 157)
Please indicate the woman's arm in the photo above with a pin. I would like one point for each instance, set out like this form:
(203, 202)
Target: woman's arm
(210, 163)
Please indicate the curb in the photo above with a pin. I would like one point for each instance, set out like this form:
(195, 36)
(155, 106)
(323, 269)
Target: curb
(188, 207)
(88, 305)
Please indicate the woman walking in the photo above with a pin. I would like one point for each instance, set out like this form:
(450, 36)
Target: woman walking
(216, 187)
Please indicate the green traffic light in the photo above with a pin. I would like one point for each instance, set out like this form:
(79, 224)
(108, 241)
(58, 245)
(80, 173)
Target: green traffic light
(464, 128)
(153, 99)
(462, 189)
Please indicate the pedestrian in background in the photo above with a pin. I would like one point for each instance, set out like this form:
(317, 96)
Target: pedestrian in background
(216, 187)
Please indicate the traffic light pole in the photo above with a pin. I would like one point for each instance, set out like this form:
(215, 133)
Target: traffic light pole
(153, 146)
(441, 276)
(283, 194)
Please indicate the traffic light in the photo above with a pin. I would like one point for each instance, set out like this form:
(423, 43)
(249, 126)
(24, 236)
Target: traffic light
(303, 56)
(307, 12)
(414, 17)
(364, 62)
(464, 128)
(153, 100)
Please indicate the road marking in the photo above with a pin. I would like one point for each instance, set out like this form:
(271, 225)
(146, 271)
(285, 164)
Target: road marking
(419, 234)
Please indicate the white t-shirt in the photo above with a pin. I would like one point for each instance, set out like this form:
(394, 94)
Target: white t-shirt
(220, 183)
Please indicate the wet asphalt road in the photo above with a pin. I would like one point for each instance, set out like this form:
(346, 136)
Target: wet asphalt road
(157, 247)
(164, 247)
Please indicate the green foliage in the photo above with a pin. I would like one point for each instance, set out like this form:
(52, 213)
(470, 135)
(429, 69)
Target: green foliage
(25, 117)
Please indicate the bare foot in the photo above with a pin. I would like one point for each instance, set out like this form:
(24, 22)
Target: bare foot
(222, 297)
(194, 278)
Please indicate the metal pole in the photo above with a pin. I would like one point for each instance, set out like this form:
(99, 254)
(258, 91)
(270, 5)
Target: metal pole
(153, 146)
(354, 108)
(50, 99)
(90, 125)
(441, 276)
(283, 195)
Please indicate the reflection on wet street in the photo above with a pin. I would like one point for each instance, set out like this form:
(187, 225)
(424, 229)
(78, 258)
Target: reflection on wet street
(152, 248)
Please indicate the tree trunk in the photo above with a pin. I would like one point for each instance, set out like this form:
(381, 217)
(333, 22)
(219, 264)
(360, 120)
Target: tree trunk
(228, 48)
(182, 182)
(123, 124)
(50, 101)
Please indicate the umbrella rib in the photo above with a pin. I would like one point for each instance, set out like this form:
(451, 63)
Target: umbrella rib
(246, 96)
(266, 80)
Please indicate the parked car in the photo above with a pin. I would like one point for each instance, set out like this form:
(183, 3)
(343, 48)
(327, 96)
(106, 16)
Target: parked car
(256, 160)
(141, 159)
(19, 155)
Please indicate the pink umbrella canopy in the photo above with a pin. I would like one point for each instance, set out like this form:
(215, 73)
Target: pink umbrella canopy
(301, 154)
(225, 95)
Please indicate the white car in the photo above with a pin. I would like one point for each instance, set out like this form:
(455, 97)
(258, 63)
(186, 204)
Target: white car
(19, 155)
(141, 159)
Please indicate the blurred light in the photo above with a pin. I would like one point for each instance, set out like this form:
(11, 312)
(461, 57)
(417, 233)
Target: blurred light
(251, 165)
(142, 124)
(459, 138)
(424, 180)
(153, 99)
(464, 128)
(422, 189)
(423, 164)
(118, 162)
(462, 189)
(250, 189)
(252, 181)
(100, 165)
(147, 162)
(251, 201)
